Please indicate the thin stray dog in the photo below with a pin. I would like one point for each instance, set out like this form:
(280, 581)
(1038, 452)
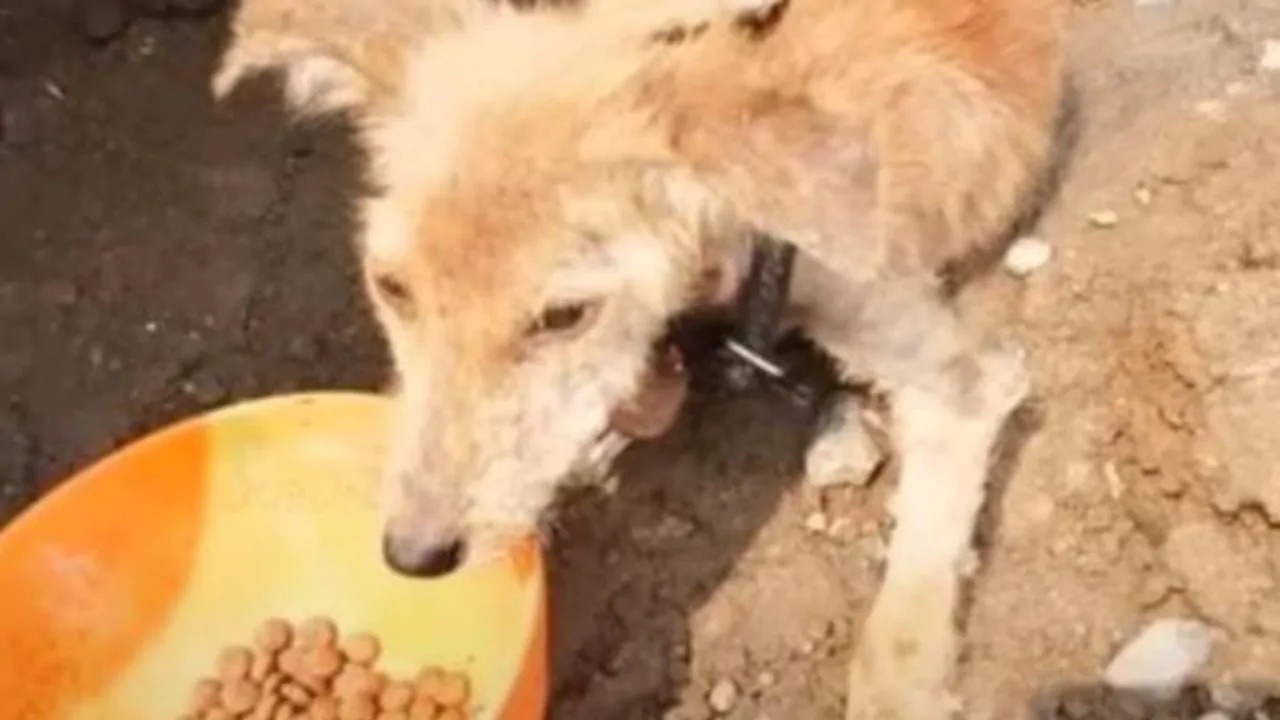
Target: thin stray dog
(550, 188)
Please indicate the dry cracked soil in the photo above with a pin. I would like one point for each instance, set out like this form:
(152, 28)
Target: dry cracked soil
(160, 255)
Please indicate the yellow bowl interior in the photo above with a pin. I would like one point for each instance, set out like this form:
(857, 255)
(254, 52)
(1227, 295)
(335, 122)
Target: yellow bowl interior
(120, 588)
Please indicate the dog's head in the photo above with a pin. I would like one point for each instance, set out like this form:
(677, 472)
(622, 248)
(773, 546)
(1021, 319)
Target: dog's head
(523, 251)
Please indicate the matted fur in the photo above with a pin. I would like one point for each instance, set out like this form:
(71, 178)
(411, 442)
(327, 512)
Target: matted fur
(553, 187)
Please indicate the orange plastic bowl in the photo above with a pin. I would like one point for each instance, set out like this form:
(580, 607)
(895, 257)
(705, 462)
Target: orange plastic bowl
(118, 590)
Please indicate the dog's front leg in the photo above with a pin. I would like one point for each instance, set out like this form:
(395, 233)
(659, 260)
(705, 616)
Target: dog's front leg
(949, 400)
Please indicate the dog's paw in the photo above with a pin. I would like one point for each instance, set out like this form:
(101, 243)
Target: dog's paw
(846, 449)
(880, 689)
(903, 664)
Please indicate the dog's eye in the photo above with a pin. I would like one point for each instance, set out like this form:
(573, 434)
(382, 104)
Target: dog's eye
(563, 318)
(393, 291)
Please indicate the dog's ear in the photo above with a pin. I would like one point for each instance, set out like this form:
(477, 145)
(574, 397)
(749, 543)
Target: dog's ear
(333, 54)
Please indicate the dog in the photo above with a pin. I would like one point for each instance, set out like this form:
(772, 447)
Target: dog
(550, 188)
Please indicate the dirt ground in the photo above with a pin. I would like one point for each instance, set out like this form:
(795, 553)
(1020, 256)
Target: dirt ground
(159, 255)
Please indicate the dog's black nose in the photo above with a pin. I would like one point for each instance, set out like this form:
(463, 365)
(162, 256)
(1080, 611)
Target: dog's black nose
(422, 561)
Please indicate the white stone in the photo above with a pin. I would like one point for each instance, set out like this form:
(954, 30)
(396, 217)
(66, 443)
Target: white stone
(1104, 218)
(1161, 658)
(723, 696)
(845, 451)
(1026, 255)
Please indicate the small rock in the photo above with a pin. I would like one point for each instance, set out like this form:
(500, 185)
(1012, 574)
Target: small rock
(1215, 715)
(1161, 658)
(1026, 255)
(1115, 483)
(54, 90)
(101, 20)
(766, 679)
(816, 523)
(1104, 218)
(845, 451)
(1270, 59)
(1142, 195)
(723, 696)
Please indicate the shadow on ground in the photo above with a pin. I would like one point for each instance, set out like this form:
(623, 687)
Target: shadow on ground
(1243, 701)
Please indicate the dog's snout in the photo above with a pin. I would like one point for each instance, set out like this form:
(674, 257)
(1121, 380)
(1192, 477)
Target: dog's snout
(422, 560)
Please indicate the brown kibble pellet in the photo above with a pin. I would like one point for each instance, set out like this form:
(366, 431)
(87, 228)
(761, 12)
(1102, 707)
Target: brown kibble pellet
(290, 662)
(234, 663)
(273, 682)
(396, 696)
(359, 707)
(284, 712)
(361, 648)
(261, 666)
(317, 632)
(204, 696)
(429, 681)
(273, 635)
(266, 708)
(356, 680)
(263, 663)
(295, 694)
(323, 708)
(344, 682)
(454, 690)
(324, 662)
(423, 708)
(239, 696)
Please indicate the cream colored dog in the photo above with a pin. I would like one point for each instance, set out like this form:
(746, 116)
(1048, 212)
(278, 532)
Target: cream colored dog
(553, 187)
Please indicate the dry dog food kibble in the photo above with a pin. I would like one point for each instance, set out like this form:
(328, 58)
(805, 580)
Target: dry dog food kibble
(310, 672)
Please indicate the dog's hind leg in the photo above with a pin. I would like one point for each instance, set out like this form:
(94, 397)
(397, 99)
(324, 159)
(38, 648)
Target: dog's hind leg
(950, 396)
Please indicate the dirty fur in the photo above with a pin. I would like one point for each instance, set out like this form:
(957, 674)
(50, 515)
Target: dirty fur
(553, 187)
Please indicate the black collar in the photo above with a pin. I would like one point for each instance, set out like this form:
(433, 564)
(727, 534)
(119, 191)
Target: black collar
(748, 351)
